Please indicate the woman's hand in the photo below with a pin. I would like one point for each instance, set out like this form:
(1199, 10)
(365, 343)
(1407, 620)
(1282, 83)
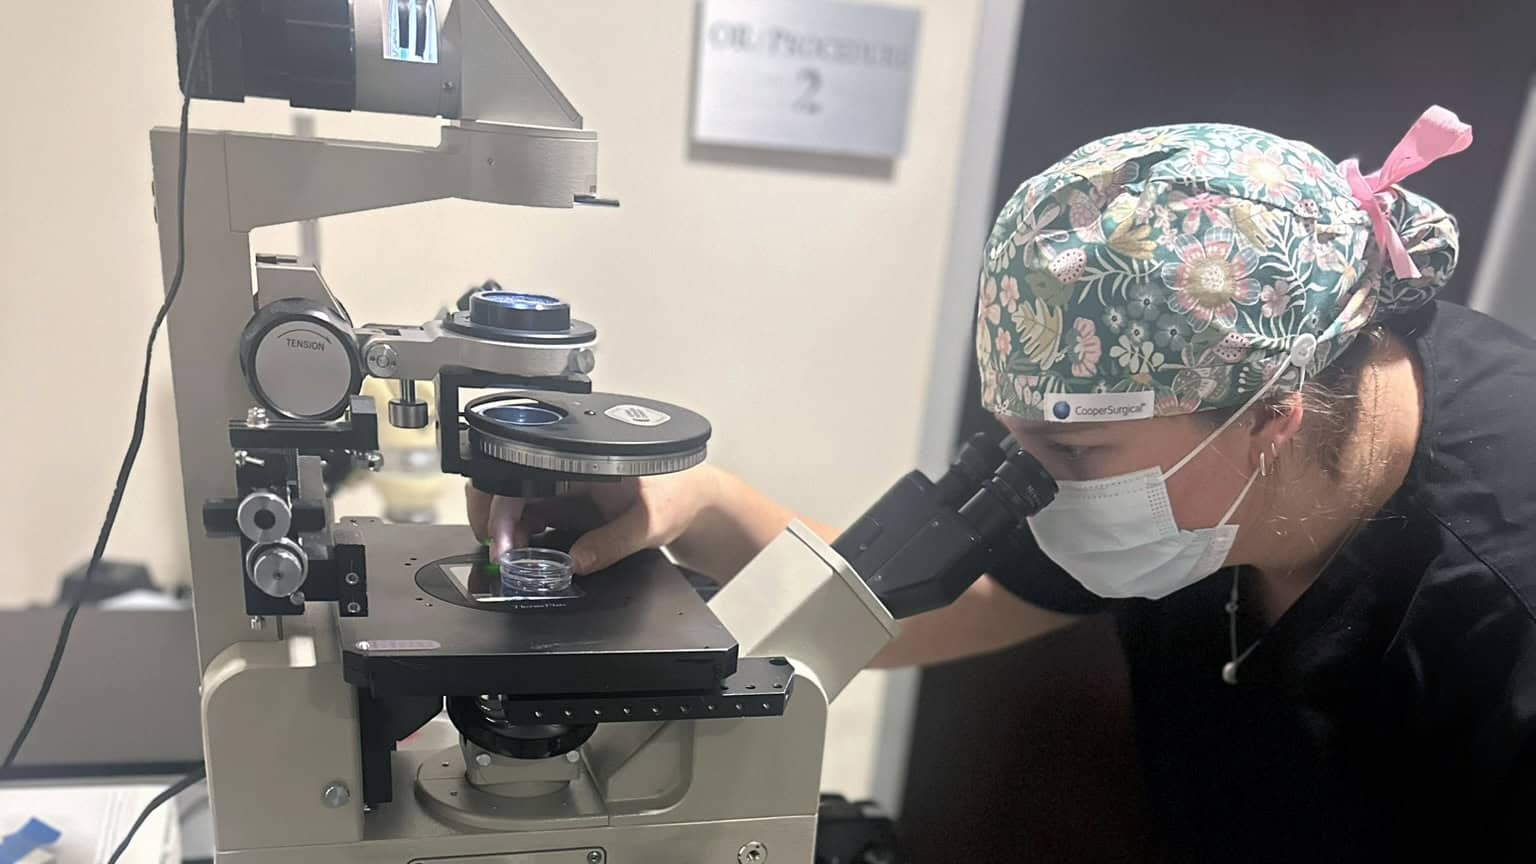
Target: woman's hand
(612, 520)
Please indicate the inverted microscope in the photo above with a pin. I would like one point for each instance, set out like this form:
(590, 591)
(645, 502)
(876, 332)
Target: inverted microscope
(611, 717)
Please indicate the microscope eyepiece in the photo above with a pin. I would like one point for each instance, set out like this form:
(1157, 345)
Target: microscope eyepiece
(919, 547)
(1017, 490)
(975, 462)
(1026, 480)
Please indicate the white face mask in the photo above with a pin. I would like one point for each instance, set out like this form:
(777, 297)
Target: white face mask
(1117, 535)
(1118, 538)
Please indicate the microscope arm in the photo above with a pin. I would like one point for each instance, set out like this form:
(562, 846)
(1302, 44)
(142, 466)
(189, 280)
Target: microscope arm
(420, 353)
(275, 180)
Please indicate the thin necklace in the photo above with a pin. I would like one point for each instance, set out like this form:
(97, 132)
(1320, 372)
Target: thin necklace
(1229, 668)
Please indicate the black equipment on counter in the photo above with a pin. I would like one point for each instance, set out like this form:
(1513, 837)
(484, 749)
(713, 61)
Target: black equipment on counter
(855, 832)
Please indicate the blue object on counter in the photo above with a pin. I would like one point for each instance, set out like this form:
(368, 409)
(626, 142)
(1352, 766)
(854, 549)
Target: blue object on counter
(33, 836)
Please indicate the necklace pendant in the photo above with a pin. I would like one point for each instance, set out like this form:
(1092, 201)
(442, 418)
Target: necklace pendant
(1229, 672)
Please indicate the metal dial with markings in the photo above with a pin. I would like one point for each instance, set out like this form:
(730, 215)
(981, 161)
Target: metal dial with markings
(587, 434)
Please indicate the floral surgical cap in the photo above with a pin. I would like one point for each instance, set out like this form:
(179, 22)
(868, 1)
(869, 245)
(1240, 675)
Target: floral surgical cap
(1171, 270)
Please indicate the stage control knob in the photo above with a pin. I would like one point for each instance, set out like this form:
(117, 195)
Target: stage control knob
(263, 517)
(277, 569)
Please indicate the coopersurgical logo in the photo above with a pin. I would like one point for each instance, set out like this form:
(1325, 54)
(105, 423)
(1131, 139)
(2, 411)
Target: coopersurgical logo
(1118, 412)
(1091, 407)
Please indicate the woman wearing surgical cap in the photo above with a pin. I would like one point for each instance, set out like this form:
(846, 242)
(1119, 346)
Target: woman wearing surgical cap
(1305, 488)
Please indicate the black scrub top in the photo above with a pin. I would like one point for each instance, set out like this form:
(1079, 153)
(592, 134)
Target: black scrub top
(1389, 714)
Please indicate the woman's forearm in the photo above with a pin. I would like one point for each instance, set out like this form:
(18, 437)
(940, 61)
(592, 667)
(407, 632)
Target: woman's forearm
(738, 523)
(986, 618)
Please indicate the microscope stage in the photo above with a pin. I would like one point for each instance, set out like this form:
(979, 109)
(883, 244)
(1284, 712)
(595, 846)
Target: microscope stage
(636, 627)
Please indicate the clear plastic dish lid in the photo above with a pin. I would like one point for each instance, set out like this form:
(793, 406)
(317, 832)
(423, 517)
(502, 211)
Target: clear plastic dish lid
(536, 573)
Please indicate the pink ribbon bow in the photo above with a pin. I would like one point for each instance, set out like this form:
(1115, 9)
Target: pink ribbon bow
(1436, 134)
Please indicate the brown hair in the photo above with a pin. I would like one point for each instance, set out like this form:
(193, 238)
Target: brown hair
(1330, 401)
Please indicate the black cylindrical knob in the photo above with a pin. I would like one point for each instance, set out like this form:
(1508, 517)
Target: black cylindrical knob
(407, 415)
(407, 412)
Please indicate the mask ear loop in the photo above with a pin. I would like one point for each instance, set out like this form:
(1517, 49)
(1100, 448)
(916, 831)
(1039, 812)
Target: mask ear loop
(1227, 517)
(1303, 348)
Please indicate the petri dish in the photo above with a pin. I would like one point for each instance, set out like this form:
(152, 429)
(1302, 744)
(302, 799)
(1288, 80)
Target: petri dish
(532, 571)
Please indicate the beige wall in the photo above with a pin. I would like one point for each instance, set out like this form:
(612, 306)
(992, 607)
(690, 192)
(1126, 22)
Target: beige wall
(794, 306)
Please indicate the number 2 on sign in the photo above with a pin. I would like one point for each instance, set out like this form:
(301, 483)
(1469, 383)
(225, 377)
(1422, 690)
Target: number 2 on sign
(810, 77)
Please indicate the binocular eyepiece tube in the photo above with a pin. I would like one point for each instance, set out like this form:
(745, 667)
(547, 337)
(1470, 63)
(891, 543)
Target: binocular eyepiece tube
(925, 542)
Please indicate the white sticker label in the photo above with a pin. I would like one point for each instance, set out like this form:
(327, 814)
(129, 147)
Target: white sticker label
(637, 415)
(1097, 407)
(410, 30)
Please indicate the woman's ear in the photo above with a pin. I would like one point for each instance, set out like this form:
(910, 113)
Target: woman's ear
(1276, 426)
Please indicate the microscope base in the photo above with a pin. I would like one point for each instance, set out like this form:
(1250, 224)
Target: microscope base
(786, 839)
(409, 832)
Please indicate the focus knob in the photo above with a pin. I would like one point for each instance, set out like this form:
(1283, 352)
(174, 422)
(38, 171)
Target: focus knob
(277, 569)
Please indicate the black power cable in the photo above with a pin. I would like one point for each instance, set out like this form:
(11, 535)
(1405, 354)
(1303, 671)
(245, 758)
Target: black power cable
(134, 441)
(137, 437)
(175, 789)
